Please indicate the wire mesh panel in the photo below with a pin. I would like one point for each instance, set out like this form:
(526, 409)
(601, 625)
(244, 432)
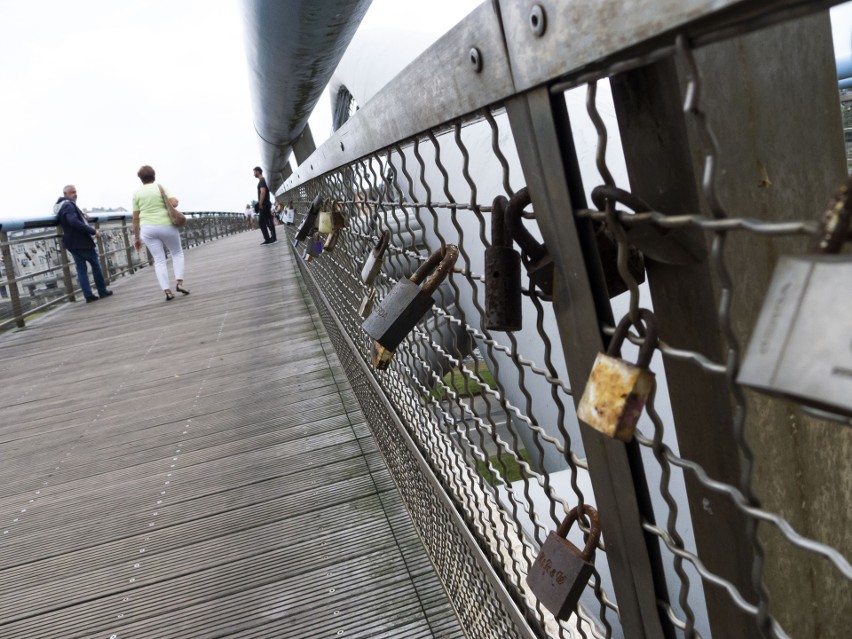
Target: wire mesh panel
(615, 191)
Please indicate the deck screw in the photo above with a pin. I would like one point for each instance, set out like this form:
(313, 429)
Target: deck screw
(537, 20)
(476, 59)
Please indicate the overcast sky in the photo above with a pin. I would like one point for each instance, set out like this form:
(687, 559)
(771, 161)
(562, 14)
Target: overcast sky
(92, 89)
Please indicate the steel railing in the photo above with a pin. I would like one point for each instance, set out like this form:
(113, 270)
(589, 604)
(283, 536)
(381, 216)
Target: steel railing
(36, 273)
(701, 535)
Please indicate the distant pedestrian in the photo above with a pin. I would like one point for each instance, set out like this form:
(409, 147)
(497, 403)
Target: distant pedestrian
(289, 213)
(264, 209)
(77, 240)
(249, 215)
(151, 225)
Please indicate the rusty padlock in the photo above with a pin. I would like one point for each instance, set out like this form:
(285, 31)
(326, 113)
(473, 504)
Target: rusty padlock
(801, 348)
(561, 571)
(375, 259)
(616, 392)
(338, 223)
(502, 274)
(396, 315)
(535, 257)
(310, 221)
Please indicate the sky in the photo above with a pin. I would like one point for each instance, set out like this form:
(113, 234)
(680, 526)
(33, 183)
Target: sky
(90, 90)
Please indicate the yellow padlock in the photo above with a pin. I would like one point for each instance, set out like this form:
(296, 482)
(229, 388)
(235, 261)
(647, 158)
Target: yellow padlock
(616, 392)
(324, 225)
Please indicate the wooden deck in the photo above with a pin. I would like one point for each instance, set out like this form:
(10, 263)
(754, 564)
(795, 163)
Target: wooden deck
(199, 468)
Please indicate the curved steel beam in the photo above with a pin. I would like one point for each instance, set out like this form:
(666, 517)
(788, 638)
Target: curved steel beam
(293, 47)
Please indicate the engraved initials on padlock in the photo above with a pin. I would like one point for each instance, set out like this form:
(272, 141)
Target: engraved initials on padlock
(502, 274)
(616, 392)
(801, 348)
(561, 570)
(396, 315)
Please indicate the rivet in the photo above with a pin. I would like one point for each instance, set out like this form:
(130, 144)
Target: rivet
(475, 59)
(538, 21)
(331, 589)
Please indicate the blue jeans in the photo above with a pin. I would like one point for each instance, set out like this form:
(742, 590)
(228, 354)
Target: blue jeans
(81, 257)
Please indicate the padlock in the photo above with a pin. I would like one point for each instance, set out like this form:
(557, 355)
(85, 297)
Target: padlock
(397, 314)
(561, 571)
(367, 303)
(338, 223)
(310, 221)
(313, 247)
(373, 263)
(801, 347)
(324, 224)
(535, 257)
(616, 392)
(502, 274)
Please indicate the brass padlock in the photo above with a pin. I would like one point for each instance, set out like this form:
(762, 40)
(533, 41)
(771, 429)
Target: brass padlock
(324, 224)
(801, 348)
(502, 274)
(338, 223)
(616, 392)
(535, 257)
(396, 315)
(373, 263)
(561, 571)
(310, 221)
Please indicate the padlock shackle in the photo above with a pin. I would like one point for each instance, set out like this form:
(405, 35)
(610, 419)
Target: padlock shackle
(600, 194)
(646, 350)
(532, 248)
(594, 528)
(382, 245)
(501, 232)
(836, 222)
(441, 262)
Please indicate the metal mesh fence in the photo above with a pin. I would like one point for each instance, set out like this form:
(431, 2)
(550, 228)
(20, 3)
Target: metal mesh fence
(493, 413)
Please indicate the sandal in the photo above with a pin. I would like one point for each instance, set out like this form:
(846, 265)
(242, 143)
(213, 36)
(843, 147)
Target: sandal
(181, 289)
(169, 296)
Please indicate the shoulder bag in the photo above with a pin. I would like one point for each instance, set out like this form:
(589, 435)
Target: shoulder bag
(177, 218)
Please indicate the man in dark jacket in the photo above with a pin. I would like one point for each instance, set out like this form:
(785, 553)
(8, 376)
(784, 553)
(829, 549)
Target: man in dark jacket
(77, 239)
(264, 209)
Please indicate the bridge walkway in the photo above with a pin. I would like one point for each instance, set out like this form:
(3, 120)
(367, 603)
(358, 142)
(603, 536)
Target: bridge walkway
(199, 468)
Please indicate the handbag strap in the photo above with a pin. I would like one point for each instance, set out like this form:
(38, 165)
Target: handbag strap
(165, 199)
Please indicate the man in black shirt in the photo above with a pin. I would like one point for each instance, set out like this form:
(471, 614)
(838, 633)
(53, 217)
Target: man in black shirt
(264, 209)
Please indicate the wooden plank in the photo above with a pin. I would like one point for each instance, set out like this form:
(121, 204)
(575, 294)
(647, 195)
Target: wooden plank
(216, 479)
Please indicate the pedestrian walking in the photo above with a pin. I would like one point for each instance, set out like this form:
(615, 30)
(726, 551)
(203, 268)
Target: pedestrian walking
(153, 227)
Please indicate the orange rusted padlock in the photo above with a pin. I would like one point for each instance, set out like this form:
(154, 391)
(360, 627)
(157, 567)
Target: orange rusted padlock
(617, 390)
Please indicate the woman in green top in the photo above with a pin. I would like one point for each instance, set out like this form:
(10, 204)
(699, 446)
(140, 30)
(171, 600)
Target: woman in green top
(151, 225)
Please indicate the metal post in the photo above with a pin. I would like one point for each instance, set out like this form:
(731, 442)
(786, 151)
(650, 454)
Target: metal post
(127, 247)
(12, 282)
(66, 269)
(102, 254)
(545, 148)
(656, 149)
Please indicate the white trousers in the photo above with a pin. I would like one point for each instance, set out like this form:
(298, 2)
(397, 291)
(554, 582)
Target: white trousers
(159, 238)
